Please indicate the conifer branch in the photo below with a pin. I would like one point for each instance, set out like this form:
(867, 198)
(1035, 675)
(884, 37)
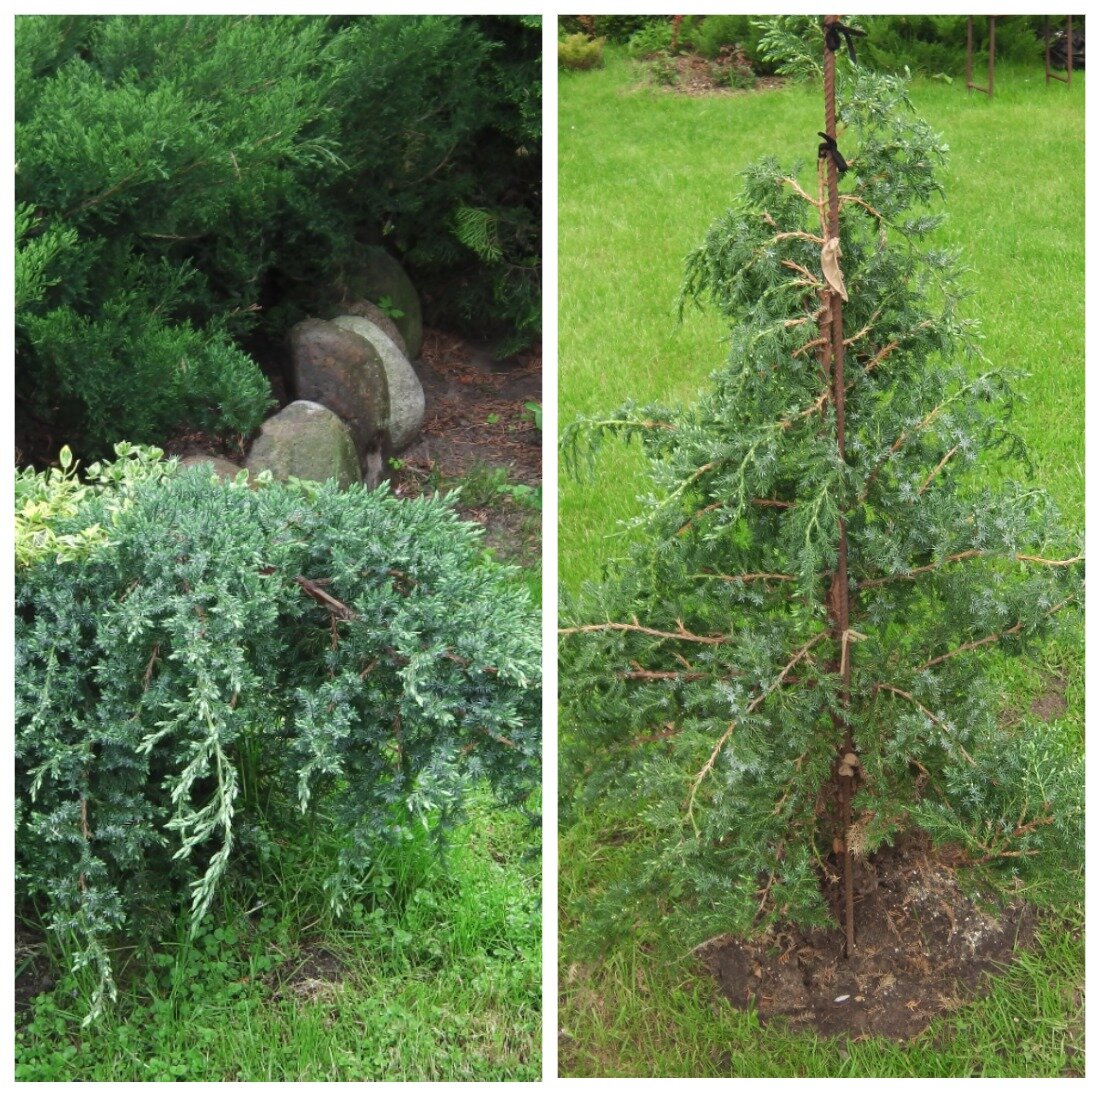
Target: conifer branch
(797, 188)
(682, 634)
(878, 582)
(777, 683)
(879, 357)
(799, 235)
(989, 639)
(867, 328)
(939, 466)
(639, 673)
(925, 422)
(744, 578)
(965, 555)
(856, 200)
(819, 342)
(1050, 561)
(808, 279)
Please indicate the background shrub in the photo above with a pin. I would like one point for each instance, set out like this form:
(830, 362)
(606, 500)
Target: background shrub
(927, 44)
(578, 51)
(204, 667)
(653, 38)
(937, 43)
(184, 181)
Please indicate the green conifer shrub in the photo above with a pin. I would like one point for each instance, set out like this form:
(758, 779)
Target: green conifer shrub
(182, 180)
(701, 683)
(201, 666)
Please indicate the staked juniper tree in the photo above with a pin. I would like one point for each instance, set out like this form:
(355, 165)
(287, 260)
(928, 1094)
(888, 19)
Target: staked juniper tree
(703, 680)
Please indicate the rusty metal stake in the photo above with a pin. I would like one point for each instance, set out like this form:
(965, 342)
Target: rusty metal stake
(1051, 75)
(970, 85)
(838, 588)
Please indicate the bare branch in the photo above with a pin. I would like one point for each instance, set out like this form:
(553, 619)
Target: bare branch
(939, 466)
(680, 635)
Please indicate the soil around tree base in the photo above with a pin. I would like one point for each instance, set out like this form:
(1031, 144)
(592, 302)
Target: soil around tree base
(924, 947)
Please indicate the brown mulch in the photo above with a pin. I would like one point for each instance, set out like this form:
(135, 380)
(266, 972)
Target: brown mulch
(477, 420)
(695, 77)
(924, 947)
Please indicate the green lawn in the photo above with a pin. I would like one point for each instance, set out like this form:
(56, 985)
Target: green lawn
(642, 173)
(435, 976)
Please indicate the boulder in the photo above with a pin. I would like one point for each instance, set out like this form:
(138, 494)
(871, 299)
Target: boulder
(340, 370)
(306, 440)
(221, 466)
(377, 275)
(362, 308)
(406, 394)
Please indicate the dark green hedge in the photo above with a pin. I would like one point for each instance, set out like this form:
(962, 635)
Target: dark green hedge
(185, 180)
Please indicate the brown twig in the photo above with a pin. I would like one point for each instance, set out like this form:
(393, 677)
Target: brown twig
(332, 605)
(796, 187)
(682, 634)
(989, 639)
(149, 667)
(939, 466)
(639, 673)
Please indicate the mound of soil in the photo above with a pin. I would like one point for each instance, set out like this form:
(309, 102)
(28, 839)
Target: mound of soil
(695, 76)
(923, 947)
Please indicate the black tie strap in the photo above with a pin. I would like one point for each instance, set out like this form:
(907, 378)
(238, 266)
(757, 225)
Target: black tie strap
(833, 31)
(828, 149)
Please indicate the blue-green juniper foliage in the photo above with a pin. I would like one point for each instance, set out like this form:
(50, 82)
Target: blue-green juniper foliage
(201, 666)
(701, 676)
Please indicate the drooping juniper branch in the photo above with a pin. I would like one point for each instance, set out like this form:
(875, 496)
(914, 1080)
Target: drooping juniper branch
(908, 432)
(777, 683)
(639, 673)
(939, 466)
(745, 578)
(797, 188)
(930, 715)
(845, 199)
(989, 639)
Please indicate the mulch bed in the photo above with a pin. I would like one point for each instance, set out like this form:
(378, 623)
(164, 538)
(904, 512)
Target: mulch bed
(695, 77)
(923, 947)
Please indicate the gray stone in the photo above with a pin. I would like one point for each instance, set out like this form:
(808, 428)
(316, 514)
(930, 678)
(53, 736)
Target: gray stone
(308, 441)
(221, 466)
(340, 370)
(406, 394)
(377, 275)
(362, 308)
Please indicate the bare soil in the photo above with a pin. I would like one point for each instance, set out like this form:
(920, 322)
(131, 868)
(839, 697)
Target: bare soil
(695, 76)
(314, 975)
(924, 946)
(33, 973)
(477, 421)
(1052, 703)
